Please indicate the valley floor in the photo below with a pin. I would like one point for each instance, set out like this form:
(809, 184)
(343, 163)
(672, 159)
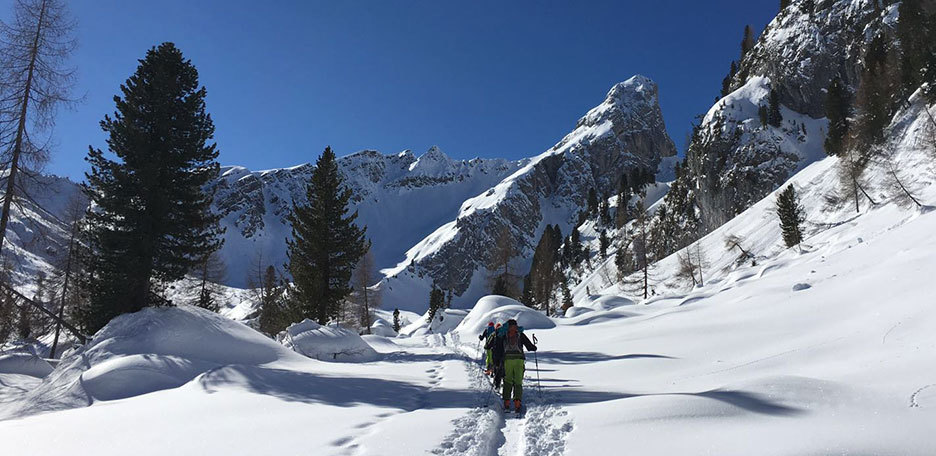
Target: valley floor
(828, 351)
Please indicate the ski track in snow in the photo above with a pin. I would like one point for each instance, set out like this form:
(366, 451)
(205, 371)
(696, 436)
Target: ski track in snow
(916, 394)
(487, 431)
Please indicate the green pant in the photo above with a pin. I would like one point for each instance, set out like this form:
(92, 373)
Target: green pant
(489, 360)
(513, 378)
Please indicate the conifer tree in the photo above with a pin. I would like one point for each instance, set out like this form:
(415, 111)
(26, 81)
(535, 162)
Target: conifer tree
(642, 247)
(621, 213)
(603, 244)
(784, 4)
(151, 223)
(275, 312)
(566, 295)
(592, 201)
(838, 107)
(747, 42)
(326, 244)
(774, 117)
(436, 302)
(791, 216)
(726, 83)
(396, 320)
(210, 272)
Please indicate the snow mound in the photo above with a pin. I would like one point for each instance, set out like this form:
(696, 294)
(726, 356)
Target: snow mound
(444, 321)
(381, 344)
(383, 328)
(24, 364)
(150, 350)
(607, 302)
(575, 311)
(326, 343)
(499, 309)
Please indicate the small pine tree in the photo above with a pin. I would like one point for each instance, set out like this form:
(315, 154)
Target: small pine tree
(791, 216)
(762, 115)
(726, 83)
(603, 243)
(592, 202)
(784, 4)
(396, 320)
(436, 302)
(566, 295)
(774, 117)
(275, 312)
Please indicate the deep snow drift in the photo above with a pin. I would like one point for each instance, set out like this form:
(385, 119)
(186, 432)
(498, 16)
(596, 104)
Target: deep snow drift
(326, 343)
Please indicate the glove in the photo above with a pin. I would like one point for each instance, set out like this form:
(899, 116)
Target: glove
(481, 337)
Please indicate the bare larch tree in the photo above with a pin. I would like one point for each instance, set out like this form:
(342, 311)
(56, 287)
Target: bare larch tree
(34, 82)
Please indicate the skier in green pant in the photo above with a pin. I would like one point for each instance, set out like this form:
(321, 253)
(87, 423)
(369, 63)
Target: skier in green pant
(514, 342)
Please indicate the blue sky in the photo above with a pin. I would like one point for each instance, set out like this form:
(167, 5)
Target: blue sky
(478, 78)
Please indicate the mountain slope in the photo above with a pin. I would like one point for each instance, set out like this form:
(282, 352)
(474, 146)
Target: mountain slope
(400, 198)
(623, 133)
(735, 159)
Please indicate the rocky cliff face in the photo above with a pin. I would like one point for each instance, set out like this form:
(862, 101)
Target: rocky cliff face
(736, 160)
(624, 132)
(400, 198)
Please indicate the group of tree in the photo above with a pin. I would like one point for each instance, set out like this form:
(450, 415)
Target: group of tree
(770, 114)
(891, 71)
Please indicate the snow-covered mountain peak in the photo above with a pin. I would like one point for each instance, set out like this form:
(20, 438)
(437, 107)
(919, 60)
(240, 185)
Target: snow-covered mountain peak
(624, 132)
(433, 162)
(637, 85)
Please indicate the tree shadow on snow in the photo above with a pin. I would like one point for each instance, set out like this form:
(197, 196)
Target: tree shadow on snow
(742, 399)
(404, 357)
(591, 357)
(310, 388)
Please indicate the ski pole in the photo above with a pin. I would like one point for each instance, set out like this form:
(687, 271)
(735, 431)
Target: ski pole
(536, 360)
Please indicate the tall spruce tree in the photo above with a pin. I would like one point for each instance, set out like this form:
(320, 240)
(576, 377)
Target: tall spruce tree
(838, 107)
(326, 244)
(151, 222)
(791, 216)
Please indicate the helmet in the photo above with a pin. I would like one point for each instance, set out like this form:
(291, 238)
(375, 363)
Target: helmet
(490, 323)
(497, 326)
